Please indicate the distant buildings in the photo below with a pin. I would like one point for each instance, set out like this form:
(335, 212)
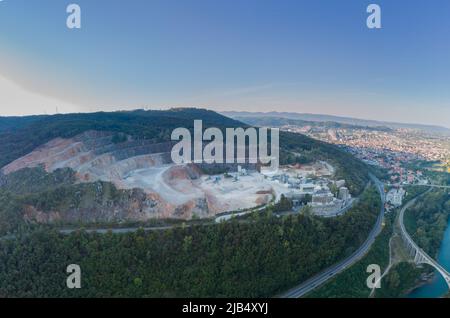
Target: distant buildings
(322, 197)
(307, 188)
(339, 183)
(387, 148)
(395, 196)
(311, 185)
(344, 194)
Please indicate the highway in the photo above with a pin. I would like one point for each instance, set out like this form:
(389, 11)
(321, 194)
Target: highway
(334, 270)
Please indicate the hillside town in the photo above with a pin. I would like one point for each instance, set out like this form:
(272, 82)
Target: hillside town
(392, 149)
(396, 150)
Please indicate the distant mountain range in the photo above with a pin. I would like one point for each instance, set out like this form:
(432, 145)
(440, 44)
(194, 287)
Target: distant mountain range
(282, 121)
(338, 119)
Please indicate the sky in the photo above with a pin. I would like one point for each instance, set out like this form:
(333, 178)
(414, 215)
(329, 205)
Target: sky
(315, 56)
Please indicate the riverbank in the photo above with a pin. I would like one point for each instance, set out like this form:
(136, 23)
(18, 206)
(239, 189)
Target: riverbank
(436, 286)
(424, 222)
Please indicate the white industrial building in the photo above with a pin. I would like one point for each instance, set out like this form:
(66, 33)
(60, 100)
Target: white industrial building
(344, 194)
(395, 197)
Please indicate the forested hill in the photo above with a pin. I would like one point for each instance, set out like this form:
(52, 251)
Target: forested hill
(21, 135)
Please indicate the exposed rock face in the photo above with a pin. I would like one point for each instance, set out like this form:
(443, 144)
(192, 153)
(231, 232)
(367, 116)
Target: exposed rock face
(91, 153)
(155, 188)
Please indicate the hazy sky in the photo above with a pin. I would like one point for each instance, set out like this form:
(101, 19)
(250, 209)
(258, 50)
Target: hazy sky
(314, 56)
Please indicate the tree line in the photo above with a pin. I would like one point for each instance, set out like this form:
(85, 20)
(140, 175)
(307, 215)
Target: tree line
(260, 258)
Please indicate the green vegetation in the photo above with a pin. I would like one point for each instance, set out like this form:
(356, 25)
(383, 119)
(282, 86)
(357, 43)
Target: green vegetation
(57, 191)
(414, 191)
(352, 282)
(430, 167)
(30, 132)
(22, 185)
(426, 221)
(119, 138)
(438, 177)
(283, 205)
(401, 278)
(11, 219)
(237, 259)
(35, 180)
(76, 196)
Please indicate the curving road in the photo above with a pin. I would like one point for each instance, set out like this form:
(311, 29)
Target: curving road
(332, 271)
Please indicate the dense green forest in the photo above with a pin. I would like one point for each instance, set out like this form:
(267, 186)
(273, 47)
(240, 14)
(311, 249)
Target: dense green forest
(400, 279)
(36, 180)
(414, 191)
(238, 259)
(427, 220)
(48, 192)
(352, 282)
(19, 136)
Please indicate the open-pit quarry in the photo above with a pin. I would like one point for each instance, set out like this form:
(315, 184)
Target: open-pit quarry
(171, 191)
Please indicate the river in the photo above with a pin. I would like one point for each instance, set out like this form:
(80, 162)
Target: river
(436, 287)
